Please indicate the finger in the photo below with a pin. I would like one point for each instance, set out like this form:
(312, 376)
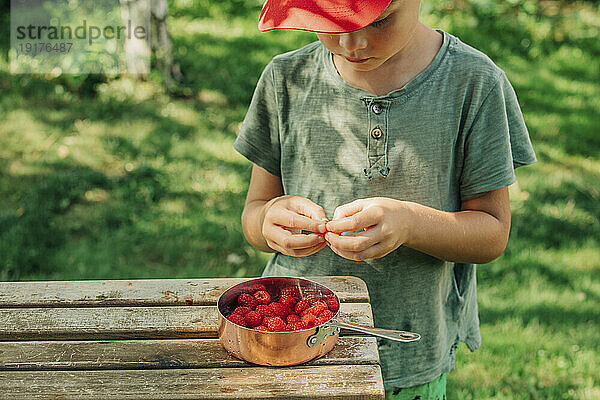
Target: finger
(360, 220)
(348, 209)
(299, 252)
(378, 250)
(287, 240)
(308, 208)
(291, 219)
(350, 243)
(310, 250)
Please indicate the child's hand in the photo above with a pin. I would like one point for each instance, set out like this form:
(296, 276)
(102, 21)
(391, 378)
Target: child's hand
(284, 219)
(386, 225)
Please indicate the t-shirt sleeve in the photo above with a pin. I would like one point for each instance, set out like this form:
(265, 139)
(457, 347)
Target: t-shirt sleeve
(258, 139)
(496, 144)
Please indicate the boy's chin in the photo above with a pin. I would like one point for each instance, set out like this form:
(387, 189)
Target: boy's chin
(367, 66)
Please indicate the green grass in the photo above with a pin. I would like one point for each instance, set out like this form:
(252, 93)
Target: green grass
(110, 179)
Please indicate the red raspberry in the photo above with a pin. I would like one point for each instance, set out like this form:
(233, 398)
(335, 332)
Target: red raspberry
(275, 324)
(327, 315)
(256, 287)
(293, 318)
(263, 297)
(265, 310)
(242, 310)
(320, 307)
(301, 306)
(332, 303)
(287, 300)
(317, 309)
(280, 310)
(247, 300)
(237, 319)
(253, 319)
(309, 319)
(261, 328)
(290, 291)
(296, 326)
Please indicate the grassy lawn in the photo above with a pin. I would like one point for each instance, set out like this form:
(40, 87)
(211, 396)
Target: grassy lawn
(113, 179)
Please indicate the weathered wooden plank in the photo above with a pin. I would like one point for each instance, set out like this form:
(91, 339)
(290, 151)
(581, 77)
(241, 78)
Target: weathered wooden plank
(156, 354)
(341, 382)
(129, 322)
(155, 292)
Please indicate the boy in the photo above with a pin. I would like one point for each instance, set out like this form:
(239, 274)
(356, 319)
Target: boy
(403, 134)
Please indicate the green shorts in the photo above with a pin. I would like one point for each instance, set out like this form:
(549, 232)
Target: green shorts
(434, 390)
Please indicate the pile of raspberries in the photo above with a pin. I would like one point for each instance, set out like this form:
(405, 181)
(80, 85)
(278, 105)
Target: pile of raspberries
(290, 312)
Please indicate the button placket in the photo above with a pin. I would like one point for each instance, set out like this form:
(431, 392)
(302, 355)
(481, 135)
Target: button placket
(377, 138)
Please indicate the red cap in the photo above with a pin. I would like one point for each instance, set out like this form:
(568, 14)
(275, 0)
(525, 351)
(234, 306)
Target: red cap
(325, 16)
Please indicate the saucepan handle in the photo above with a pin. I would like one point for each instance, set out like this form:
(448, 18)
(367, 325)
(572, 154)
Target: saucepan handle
(392, 334)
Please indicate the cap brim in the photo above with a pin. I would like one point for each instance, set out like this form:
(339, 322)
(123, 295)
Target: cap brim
(320, 16)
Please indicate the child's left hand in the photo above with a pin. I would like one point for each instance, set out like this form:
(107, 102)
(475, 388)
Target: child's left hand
(387, 224)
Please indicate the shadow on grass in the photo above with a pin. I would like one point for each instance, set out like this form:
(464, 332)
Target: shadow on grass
(552, 315)
(561, 229)
(30, 234)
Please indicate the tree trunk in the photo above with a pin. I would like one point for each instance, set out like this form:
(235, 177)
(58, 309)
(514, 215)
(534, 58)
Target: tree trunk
(151, 14)
(136, 13)
(162, 45)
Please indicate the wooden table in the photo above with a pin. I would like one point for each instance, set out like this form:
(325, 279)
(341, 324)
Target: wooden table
(157, 339)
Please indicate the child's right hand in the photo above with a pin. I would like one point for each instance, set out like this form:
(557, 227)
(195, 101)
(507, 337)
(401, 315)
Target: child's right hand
(284, 219)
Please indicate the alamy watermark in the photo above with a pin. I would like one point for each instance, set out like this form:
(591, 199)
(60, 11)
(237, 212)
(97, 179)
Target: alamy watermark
(80, 36)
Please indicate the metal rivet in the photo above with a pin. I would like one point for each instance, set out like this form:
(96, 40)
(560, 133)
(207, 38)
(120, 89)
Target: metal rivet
(376, 133)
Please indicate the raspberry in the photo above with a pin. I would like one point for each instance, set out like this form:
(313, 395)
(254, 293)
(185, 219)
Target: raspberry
(290, 291)
(242, 310)
(293, 318)
(332, 304)
(301, 306)
(247, 300)
(265, 310)
(287, 300)
(261, 328)
(296, 326)
(275, 324)
(326, 314)
(263, 297)
(320, 307)
(309, 319)
(256, 287)
(280, 310)
(237, 319)
(317, 309)
(253, 319)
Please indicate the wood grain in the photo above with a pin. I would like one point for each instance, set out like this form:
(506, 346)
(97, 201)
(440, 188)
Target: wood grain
(129, 322)
(156, 354)
(146, 293)
(341, 382)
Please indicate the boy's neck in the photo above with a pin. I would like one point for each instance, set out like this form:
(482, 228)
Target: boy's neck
(402, 68)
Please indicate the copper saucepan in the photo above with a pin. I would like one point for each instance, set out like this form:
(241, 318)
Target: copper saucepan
(288, 348)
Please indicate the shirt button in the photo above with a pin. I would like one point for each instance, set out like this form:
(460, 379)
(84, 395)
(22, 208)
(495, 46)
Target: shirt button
(377, 109)
(376, 133)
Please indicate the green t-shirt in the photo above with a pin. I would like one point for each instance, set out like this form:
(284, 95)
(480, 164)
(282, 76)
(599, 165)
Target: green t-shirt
(452, 133)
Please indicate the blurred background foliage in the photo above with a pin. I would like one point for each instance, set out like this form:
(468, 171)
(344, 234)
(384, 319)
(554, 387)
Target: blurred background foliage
(104, 177)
